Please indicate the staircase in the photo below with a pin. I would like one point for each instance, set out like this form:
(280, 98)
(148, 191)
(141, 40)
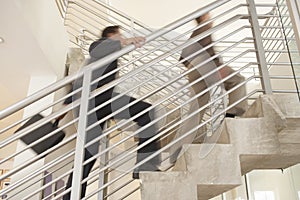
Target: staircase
(253, 142)
(203, 153)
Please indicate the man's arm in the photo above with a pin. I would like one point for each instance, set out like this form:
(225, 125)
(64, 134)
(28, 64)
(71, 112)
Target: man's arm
(105, 48)
(136, 41)
(114, 44)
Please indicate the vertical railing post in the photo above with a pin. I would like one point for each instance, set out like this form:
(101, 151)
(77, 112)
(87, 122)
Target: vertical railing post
(103, 176)
(81, 133)
(260, 52)
(294, 9)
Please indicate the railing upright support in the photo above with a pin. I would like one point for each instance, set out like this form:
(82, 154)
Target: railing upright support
(81, 133)
(260, 52)
(294, 9)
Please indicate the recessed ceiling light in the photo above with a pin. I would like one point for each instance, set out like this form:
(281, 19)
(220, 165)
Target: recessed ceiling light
(1, 40)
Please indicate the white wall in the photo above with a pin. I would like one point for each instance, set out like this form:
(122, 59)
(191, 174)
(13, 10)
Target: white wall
(20, 55)
(295, 174)
(43, 18)
(157, 13)
(272, 180)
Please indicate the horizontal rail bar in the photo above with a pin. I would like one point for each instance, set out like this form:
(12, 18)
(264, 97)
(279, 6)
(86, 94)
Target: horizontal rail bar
(170, 82)
(169, 112)
(161, 150)
(108, 59)
(35, 173)
(34, 159)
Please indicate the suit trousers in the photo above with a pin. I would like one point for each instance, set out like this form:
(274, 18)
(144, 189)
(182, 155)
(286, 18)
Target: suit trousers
(143, 136)
(230, 83)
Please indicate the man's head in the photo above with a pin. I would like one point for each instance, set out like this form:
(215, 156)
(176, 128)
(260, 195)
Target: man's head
(111, 31)
(203, 18)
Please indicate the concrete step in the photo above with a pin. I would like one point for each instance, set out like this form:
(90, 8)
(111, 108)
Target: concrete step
(261, 144)
(175, 185)
(194, 174)
(288, 104)
(253, 140)
(290, 134)
(266, 138)
(252, 136)
(281, 110)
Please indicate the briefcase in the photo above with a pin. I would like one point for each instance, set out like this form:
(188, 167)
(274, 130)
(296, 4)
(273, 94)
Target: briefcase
(41, 132)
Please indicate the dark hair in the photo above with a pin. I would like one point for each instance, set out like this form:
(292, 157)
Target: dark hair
(110, 29)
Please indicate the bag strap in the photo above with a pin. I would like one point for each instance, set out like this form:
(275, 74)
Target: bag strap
(56, 122)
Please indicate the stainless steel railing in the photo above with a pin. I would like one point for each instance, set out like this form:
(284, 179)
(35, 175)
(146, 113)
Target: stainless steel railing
(170, 92)
(62, 7)
(142, 26)
(27, 102)
(136, 53)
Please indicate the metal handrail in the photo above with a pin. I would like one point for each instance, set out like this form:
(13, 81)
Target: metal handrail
(61, 5)
(178, 48)
(28, 162)
(165, 147)
(35, 172)
(97, 171)
(224, 12)
(67, 80)
(169, 42)
(173, 80)
(39, 111)
(169, 112)
(92, 141)
(42, 122)
(116, 82)
(104, 61)
(202, 50)
(273, 56)
(167, 129)
(87, 161)
(143, 55)
(245, 17)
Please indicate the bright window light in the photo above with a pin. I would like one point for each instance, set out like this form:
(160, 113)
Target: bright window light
(298, 195)
(264, 195)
